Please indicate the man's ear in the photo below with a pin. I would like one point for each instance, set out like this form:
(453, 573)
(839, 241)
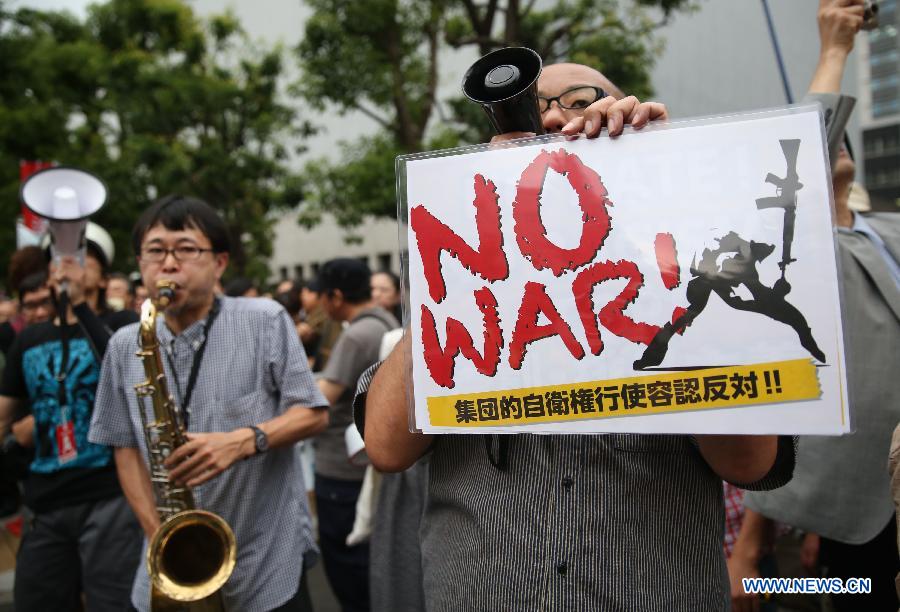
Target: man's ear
(221, 264)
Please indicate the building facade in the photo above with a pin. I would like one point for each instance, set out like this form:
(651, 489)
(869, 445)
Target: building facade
(879, 69)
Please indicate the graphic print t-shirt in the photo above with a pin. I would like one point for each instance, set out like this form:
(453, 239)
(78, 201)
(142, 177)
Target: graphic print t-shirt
(33, 363)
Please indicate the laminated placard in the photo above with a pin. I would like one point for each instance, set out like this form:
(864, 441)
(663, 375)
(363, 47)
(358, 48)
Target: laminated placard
(682, 278)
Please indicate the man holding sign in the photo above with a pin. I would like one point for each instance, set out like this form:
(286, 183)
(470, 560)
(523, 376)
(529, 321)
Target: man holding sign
(565, 522)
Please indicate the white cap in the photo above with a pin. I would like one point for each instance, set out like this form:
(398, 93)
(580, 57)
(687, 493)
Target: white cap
(96, 234)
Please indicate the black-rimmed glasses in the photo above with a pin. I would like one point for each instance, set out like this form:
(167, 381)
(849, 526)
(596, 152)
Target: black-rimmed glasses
(577, 98)
(184, 252)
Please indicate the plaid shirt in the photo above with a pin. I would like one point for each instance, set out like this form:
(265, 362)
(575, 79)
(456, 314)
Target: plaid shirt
(254, 369)
(734, 515)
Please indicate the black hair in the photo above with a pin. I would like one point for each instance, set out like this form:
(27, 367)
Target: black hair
(32, 282)
(290, 299)
(351, 276)
(177, 212)
(237, 287)
(25, 262)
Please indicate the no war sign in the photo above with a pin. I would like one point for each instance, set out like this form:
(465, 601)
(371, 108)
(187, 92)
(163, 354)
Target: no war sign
(680, 279)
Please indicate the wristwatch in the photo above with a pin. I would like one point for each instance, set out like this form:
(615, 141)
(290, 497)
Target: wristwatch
(261, 440)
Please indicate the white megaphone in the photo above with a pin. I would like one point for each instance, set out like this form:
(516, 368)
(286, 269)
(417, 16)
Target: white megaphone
(66, 197)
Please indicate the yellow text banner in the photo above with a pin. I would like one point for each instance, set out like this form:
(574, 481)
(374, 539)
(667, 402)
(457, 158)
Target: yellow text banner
(663, 393)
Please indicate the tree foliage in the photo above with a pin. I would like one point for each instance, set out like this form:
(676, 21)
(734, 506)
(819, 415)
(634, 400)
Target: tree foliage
(154, 101)
(382, 58)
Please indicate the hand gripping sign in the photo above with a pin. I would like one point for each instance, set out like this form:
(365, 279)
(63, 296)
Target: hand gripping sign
(680, 279)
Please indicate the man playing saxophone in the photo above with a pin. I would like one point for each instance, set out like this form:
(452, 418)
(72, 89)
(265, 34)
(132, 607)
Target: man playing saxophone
(240, 379)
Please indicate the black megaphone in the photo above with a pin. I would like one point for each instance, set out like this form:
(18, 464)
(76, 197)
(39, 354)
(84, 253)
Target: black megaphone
(504, 83)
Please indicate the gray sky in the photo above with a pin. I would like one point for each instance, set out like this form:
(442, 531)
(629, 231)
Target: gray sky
(716, 60)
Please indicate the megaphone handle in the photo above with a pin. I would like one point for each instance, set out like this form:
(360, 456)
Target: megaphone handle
(64, 338)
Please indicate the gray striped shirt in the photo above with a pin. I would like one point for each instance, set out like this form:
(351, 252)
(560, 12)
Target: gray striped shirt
(603, 522)
(254, 369)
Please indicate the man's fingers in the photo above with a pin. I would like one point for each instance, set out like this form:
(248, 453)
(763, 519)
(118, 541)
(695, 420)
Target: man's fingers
(595, 116)
(658, 111)
(620, 114)
(203, 476)
(181, 452)
(574, 126)
(647, 112)
(187, 467)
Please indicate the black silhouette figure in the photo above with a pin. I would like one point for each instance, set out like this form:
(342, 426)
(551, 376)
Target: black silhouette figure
(738, 269)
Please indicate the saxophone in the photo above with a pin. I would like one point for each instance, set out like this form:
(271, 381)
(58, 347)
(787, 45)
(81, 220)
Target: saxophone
(193, 552)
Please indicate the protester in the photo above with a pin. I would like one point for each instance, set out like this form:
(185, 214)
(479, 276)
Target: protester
(840, 493)
(118, 292)
(36, 298)
(614, 522)
(395, 572)
(317, 330)
(138, 293)
(345, 290)
(288, 295)
(25, 262)
(36, 306)
(386, 292)
(84, 539)
(250, 398)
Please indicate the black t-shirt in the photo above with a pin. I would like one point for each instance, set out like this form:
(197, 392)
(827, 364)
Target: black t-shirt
(61, 479)
(7, 335)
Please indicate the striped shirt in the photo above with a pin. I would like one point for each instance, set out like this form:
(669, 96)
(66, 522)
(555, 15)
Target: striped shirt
(580, 522)
(253, 369)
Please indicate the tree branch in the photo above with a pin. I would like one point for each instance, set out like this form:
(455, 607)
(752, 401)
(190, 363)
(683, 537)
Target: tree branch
(528, 8)
(483, 42)
(512, 21)
(372, 115)
(404, 128)
(433, 44)
(552, 39)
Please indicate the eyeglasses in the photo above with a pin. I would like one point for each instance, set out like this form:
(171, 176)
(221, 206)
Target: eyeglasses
(577, 98)
(45, 303)
(184, 252)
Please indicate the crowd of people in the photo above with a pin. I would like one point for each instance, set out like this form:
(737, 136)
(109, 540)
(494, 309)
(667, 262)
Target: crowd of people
(416, 522)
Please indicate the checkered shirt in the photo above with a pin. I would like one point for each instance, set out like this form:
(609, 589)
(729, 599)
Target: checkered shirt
(734, 515)
(254, 369)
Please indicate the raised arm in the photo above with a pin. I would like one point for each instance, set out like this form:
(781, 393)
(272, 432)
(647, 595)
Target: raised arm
(839, 21)
(389, 443)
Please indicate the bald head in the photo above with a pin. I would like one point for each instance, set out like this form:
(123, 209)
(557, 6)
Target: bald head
(556, 78)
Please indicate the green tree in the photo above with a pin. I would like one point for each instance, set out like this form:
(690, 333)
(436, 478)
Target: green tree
(381, 58)
(154, 101)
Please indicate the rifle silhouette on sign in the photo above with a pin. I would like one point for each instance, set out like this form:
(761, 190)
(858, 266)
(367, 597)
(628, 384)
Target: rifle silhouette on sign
(733, 263)
(785, 199)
